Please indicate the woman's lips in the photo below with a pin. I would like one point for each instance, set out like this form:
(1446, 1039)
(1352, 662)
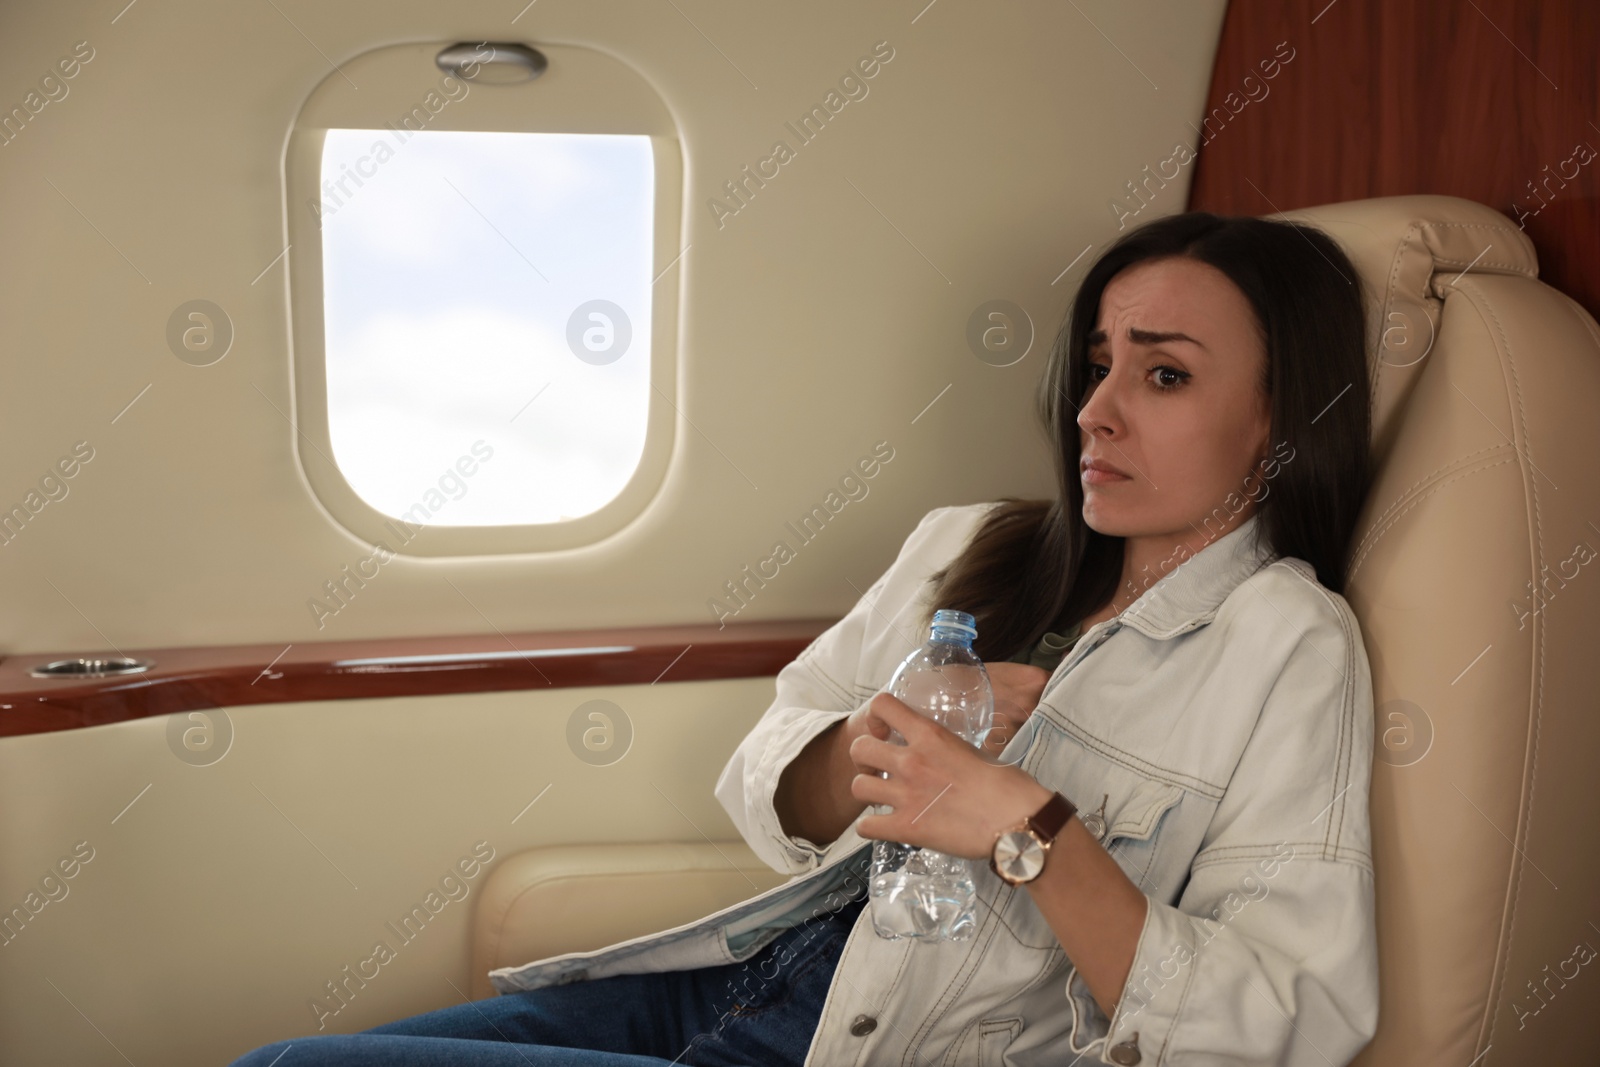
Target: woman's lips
(1096, 476)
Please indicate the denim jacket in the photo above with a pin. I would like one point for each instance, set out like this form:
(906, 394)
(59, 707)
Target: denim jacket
(1216, 736)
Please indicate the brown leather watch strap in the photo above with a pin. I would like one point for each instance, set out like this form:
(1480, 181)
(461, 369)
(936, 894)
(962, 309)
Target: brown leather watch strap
(1048, 820)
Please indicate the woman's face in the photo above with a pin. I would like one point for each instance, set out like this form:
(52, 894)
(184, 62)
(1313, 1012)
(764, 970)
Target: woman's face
(1183, 419)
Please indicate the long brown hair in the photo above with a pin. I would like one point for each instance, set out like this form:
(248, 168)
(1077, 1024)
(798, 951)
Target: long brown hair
(1032, 564)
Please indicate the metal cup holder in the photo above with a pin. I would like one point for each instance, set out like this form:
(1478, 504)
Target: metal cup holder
(92, 667)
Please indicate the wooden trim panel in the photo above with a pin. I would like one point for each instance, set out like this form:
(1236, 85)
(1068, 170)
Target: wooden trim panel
(192, 678)
(1496, 101)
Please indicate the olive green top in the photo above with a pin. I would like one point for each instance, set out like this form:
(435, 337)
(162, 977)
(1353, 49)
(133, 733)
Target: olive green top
(1051, 647)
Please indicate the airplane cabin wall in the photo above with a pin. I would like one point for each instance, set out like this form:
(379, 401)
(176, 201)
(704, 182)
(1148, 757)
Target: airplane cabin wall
(828, 315)
(822, 319)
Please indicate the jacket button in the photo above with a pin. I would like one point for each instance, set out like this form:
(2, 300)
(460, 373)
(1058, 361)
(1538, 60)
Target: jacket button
(1095, 821)
(865, 1024)
(1127, 1053)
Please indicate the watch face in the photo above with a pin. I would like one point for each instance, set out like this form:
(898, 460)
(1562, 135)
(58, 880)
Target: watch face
(1018, 856)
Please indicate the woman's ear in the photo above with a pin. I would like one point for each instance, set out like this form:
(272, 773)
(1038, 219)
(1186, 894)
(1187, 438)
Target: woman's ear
(1264, 447)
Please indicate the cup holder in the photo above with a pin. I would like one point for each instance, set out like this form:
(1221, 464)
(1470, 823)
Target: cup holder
(90, 667)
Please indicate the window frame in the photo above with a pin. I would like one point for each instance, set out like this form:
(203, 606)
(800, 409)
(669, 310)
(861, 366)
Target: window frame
(582, 91)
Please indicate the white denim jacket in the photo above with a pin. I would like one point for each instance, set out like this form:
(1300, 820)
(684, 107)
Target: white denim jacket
(1220, 728)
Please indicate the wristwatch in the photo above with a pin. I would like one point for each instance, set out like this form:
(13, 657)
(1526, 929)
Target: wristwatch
(1019, 854)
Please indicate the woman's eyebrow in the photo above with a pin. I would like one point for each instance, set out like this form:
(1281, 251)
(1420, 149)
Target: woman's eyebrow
(1145, 337)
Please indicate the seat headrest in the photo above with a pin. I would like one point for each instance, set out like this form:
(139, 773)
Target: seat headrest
(1409, 250)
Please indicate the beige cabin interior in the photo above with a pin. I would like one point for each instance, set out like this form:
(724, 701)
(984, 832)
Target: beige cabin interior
(822, 320)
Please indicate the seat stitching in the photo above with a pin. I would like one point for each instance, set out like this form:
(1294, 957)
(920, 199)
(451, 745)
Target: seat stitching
(1432, 489)
(1401, 496)
(1448, 261)
(1481, 304)
(1390, 291)
(1509, 231)
(1583, 317)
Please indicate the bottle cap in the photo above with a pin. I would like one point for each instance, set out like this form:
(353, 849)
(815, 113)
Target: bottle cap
(951, 619)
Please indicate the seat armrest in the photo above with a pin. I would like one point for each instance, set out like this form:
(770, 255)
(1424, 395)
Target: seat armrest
(575, 898)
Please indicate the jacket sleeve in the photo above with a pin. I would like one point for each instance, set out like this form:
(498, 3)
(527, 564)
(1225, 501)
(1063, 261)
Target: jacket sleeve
(1270, 955)
(814, 690)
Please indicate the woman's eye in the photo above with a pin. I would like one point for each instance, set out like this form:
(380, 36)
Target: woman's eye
(1166, 378)
(1164, 384)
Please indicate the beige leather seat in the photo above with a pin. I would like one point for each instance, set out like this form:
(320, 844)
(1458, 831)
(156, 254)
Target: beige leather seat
(1479, 602)
(1480, 606)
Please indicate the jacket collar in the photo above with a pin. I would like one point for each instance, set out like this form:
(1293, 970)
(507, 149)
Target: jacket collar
(1189, 595)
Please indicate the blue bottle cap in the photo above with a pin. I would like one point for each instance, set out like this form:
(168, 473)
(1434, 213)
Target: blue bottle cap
(950, 619)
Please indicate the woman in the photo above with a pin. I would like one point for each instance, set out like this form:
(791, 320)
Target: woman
(1210, 728)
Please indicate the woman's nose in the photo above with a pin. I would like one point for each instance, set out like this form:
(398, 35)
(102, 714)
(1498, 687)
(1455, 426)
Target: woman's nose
(1100, 412)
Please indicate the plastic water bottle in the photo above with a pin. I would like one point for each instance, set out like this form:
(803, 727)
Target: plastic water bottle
(917, 892)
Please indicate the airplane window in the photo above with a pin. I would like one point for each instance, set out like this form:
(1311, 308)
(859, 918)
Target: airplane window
(487, 308)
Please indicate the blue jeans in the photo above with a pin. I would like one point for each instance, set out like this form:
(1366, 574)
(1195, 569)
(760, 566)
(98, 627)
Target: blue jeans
(752, 1014)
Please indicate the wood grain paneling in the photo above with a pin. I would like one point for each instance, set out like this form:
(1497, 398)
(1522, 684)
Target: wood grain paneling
(1491, 100)
(188, 679)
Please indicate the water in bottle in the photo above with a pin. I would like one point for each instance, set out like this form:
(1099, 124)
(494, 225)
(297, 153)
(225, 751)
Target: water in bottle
(917, 892)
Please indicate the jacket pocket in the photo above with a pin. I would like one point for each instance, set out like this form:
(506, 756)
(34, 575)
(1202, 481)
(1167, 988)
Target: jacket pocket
(994, 1037)
(984, 1042)
(1127, 826)
(1125, 819)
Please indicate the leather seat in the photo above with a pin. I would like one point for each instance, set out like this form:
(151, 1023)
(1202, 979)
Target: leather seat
(1479, 608)
(1479, 604)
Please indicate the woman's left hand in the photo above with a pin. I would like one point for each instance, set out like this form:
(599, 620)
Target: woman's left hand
(946, 794)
